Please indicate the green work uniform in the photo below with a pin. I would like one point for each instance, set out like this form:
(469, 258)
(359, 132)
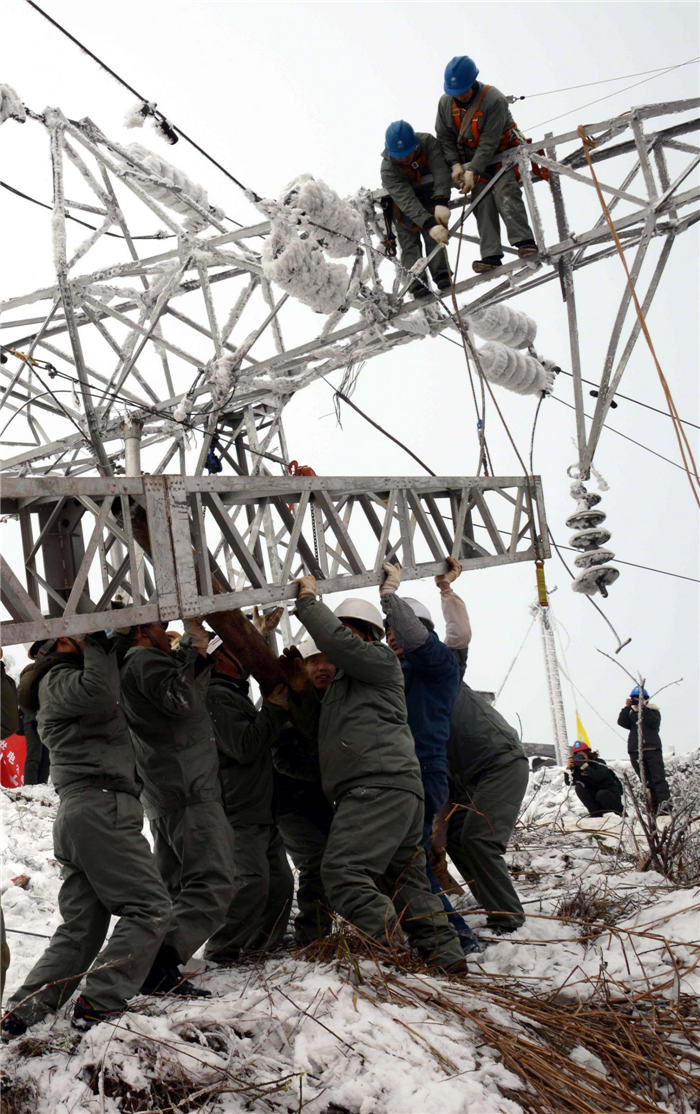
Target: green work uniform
(488, 774)
(415, 199)
(164, 697)
(373, 869)
(107, 866)
(504, 199)
(263, 882)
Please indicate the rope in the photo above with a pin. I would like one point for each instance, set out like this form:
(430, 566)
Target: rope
(517, 655)
(683, 442)
(611, 429)
(603, 81)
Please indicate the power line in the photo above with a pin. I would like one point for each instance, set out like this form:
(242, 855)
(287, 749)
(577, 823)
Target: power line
(612, 429)
(602, 81)
(69, 216)
(637, 401)
(607, 96)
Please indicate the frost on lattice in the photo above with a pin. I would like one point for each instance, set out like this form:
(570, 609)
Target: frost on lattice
(223, 376)
(515, 370)
(301, 268)
(174, 189)
(11, 107)
(332, 222)
(501, 323)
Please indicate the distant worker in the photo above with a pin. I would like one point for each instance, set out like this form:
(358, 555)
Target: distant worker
(421, 208)
(108, 870)
(637, 706)
(303, 813)
(374, 866)
(164, 697)
(474, 126)
(596, 787)
(263, 883)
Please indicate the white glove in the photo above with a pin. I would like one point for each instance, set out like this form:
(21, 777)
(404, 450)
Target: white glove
(467, 181)
(392, 580)
(439, 234)
(444, 579)
(442, 215)
(457, 175)
(199, 637)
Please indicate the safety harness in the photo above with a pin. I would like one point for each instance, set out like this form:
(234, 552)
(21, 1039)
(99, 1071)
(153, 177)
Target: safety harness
(468, 120)
(415, 170)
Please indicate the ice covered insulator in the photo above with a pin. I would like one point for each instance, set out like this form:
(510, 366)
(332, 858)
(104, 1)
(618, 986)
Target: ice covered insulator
(596, 579)
(585, 518)
(588, 498)
(593, 538)
(332, 222)
(301, 268)
(500, 322)
(593, 557)
(515, 370)
(175, 189)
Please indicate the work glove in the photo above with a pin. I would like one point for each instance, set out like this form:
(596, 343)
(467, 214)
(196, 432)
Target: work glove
(457, 175)
(467, 181)
(442, 215)
(174, 637)
(391, 580)
(265, 624)
(294, 670)
(439, 234)
(278, 696)
(198, 636)
(444, 579)
(306, 586)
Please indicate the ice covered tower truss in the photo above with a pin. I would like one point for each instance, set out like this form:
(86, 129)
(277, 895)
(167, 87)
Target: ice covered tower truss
(164, 339)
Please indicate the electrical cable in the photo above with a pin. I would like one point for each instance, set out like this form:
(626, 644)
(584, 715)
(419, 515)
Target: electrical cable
(629, 398)
(69, 216)
(602, 81)
(607, 96)
(611, 429)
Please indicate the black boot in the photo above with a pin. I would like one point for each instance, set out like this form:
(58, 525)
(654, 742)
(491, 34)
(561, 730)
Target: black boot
(164, 976)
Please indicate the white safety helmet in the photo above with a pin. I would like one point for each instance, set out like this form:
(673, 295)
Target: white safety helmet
(308, 648)
(419, 610)
(356, 608)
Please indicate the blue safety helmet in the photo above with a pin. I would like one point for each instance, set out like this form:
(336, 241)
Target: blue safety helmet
(460, 75)
(636, 691)
(400, 140)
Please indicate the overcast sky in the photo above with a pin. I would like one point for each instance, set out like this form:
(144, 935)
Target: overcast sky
(273, 90)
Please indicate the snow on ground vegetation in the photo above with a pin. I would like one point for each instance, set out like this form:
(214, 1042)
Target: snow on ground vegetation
(591, 1006)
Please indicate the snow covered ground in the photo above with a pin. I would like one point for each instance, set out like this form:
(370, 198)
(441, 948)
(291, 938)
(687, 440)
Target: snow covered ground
(338, 1032)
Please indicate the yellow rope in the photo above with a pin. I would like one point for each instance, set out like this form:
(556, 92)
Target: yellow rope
(683, 442)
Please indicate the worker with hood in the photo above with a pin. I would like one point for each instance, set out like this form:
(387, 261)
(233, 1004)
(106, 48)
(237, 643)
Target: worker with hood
(596, 787)
(431, 678)
(107, 866)
(263, 883)
(164, 695)
(302, 810)
(417, 179)
(474, 127)
(373, 868)
(637, 708)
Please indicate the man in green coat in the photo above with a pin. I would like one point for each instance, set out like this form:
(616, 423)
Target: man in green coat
(263, 882)
(474, 126)
(164, 695)
(373, 868)
(108, 869)
(417, 179)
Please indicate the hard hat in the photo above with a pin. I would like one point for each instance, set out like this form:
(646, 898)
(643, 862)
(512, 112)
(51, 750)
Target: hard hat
(356, 608)
(579, 745)
(460, 75)
(400, 140)
(419, 610)
(308, 648)
(635, 693)
(41, 648)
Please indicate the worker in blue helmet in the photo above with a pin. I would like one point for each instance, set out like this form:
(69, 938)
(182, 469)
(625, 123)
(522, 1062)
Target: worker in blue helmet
(644, 748)
(417, 180)
(474, 127)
